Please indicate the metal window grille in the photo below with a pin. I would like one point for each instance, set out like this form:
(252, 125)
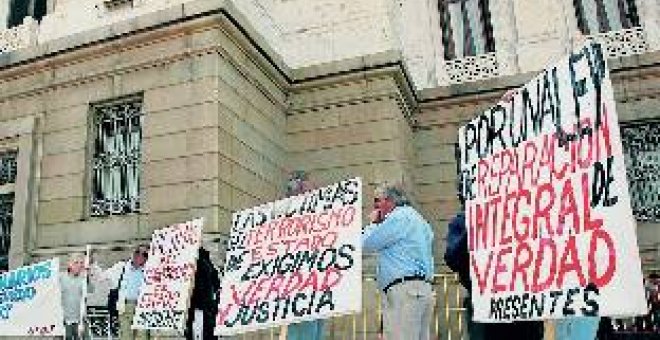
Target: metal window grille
(20, 9)
(600, 16)
(101, 324)
(7, 178)
(8, 167)
(641, 144)
(6, 220)
(466, 28)
(117, 156)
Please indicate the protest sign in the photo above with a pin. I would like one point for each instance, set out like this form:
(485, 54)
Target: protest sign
(550, 228)
(31, 301)
(169, 275)
(292, 260)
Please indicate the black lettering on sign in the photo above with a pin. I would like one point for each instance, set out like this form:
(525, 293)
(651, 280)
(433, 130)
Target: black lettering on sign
(517, 307)
(170, 319)
(555, 295)
(568, 306)
(602, 182)
(592, 305)
(235, 261)
(41, 330)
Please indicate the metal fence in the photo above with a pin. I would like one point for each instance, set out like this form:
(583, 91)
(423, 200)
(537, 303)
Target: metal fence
(448, 318)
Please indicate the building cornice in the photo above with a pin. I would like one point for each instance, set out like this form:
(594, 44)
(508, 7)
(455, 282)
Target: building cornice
(47, 66)
(626, 69)
(358, 71)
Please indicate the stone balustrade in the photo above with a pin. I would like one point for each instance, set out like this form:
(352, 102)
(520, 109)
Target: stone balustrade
(622, 43)
(472, 68)
(18, 37)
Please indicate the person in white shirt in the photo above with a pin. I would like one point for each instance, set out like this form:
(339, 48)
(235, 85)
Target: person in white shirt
(72, 283)
(128, 277)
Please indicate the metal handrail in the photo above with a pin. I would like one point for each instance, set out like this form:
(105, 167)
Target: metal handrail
(448, 315)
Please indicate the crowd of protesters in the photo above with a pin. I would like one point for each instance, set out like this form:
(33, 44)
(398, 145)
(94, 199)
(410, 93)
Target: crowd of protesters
(126, 279)
(402, 240)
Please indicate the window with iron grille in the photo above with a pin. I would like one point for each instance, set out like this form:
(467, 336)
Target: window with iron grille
(7, 180)
(466, 28)
(600, 16)
(117, 149)
(20, 9)
(641, 144)
(8, 167)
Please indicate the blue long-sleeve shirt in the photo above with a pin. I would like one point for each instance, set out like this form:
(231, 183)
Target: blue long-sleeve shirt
(133, 283)
(404, 244)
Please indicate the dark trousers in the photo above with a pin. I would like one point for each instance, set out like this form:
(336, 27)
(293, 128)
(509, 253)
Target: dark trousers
(71, 332)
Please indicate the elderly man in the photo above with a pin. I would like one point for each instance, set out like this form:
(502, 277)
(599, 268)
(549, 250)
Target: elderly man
(72, 284)
(403, 241)
(128, 277)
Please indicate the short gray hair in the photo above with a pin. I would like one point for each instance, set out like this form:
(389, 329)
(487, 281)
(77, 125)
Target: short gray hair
(393, 192)
(75, 257)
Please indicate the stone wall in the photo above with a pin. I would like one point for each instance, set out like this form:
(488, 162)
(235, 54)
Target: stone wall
(213, 131)
(355, 127)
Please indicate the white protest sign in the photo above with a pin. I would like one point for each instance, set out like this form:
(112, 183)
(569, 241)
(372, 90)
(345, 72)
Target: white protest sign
(169, 274)
(292, 260)
(31, 301)
(551, 231)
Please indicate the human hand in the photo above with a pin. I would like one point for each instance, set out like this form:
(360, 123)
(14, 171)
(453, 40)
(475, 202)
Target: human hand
(509, 95)
(375, 216)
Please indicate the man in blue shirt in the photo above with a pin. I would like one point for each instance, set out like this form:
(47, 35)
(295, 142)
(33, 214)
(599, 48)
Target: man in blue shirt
(403, 241)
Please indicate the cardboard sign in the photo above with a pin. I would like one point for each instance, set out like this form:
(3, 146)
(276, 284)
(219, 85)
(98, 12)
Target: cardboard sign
(551, 231)
(169, 275)
(31, 301)
(292, 260)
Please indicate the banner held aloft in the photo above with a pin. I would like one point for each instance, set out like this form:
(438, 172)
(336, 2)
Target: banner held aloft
(292, 260)
(30, 301)
(169, 275)
(551, 231)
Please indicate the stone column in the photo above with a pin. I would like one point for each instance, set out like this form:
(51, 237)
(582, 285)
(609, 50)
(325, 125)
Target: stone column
(50, 6)
(441, 76)
(649, 14)
(505, 35)
(570, 30)
(422, 41)
(4, 13)
(22, 132)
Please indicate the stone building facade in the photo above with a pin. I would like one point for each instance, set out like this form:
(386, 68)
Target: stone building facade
(118, 117)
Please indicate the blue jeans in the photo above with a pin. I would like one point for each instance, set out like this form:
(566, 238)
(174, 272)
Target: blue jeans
(307, 330)
(580, 328)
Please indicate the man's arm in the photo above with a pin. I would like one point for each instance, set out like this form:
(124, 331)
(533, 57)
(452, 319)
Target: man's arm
(111, 274)
(381, 235)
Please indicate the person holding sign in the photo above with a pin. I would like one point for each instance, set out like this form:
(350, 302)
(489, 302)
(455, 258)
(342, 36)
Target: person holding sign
(403, 240)
(128, 278)
(307, 330)
(203, 300)
(72, 283)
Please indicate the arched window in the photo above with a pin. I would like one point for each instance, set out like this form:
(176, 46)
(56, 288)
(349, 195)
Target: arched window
(466, 28)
